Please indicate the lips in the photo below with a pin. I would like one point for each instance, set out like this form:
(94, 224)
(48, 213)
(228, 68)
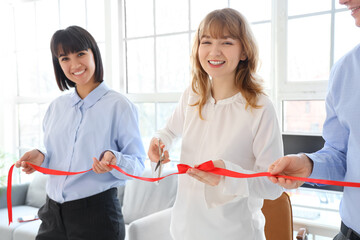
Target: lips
(79, 72)
(216, 63)
(354, 10)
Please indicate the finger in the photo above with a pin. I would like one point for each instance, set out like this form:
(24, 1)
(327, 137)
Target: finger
(289, 184)
(24, 165)
(28, 170)
(278, 166)
(25, 157)
(194, 175)
(273, 179)
(95, 165)
(105, 166)
(96, 169)
(204, 177)
(102, 165)
(18, 164)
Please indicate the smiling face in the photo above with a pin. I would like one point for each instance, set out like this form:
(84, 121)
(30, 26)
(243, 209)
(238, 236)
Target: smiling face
(219, 57)
(354, 7)
(78, 67)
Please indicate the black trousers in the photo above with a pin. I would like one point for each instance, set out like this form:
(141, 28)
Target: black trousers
(97, 217)
(346, 234)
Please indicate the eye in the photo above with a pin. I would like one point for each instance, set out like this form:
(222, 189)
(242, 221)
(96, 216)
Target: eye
(205, 42)
(64, 59)
(228, 43)
(81, 54)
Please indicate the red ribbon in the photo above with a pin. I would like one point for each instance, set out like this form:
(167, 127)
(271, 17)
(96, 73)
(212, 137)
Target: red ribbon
(182, 168)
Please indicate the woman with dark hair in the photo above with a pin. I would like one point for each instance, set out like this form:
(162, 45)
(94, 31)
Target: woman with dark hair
(91, 121)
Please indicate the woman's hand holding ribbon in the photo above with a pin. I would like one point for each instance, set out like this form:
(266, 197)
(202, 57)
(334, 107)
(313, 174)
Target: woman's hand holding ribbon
(103, 165)
(34, 156)
(207, 177)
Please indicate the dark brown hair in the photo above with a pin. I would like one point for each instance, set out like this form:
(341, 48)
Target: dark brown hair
(71, 40)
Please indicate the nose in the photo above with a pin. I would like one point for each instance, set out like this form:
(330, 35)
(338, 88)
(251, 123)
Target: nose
(75, 64)
(343, 2)
(215, 50)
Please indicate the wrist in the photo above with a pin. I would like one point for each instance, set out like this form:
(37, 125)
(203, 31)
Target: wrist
(308, 163)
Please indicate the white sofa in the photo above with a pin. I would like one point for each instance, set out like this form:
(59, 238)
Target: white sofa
(141, 202)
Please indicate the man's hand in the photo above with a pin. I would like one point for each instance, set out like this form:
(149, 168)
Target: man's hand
(291, 165)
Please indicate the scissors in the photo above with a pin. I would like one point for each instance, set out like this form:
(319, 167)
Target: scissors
(161, 159)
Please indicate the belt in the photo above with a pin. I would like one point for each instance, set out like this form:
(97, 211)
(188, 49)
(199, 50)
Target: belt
(349, 233)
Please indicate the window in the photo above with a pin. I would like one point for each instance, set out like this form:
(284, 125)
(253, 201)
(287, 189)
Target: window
(318, 34)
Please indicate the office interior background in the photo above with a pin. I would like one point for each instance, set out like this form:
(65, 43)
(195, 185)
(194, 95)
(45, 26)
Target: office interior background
(146, 45)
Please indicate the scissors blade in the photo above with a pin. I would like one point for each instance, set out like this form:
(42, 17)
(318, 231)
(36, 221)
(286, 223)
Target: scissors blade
(160, 157)
(158, 165)
(159, 174)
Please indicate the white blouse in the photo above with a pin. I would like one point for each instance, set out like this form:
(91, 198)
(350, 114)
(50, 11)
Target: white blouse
(247, 140)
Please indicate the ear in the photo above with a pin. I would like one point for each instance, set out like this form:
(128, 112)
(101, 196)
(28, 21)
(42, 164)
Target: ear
(243, 56)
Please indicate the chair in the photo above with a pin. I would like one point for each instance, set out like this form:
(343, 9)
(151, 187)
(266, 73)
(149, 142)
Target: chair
(279, 220)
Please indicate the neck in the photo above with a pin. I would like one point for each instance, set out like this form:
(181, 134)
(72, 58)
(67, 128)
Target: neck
(222, 89)
(84, 90)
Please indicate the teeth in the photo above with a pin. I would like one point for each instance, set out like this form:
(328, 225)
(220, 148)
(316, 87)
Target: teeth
(353, 9)
(78, 73)
(216, 62)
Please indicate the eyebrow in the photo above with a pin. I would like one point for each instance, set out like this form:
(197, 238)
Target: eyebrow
(63, 54)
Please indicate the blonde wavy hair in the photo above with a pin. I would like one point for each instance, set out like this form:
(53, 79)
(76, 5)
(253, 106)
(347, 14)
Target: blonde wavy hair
(215, 24)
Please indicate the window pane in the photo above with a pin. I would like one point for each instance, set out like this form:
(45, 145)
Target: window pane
(47, 22)
(25, 26)
(347, 35)
(164, 111)
(262, 34)
(171, 16)
(296, 7)
(309, 48)
(8, 78)
(72, 13)
(172, 63)
(96, 19)
(256, 10)
(139, 18)
(30, 120)
(140, 66)
(200, 8)
(46, 80)
(146, 122)
(27, 74)
(7, 26)
(304, 116)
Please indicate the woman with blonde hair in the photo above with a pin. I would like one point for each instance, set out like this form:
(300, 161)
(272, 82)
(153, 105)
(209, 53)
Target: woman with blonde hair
(225, 117)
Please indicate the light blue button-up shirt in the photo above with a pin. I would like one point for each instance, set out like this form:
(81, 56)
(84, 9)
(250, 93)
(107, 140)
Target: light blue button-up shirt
(340, 157)
(76, 130)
